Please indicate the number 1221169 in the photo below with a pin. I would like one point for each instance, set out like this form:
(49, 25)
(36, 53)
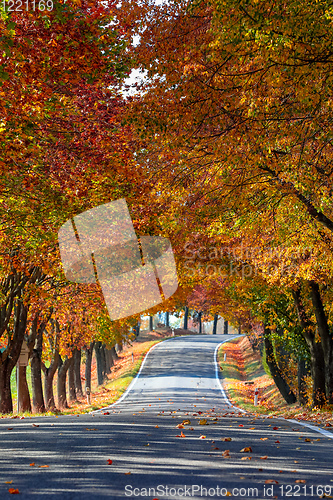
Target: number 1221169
(27, 5)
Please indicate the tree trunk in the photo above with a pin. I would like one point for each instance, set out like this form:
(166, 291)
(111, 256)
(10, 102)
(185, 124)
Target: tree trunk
(6, 402)
(318, 373)
(77, 373)
(48, 381)
(61, 384)
(24, 396)
(114, 354)
(151, 323)
(185, 318)
(167, 319)
(316, 351)
(100, 361)
(200, 321)
(108, 360)
(89, 353)
(225, 328)
(38, 405)
(325, 337)
(216, 317)
(71, 383)
(279, 380)
(9, 357)
(302, 372)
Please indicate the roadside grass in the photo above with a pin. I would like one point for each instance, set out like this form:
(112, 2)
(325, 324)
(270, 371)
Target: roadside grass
(243, 371)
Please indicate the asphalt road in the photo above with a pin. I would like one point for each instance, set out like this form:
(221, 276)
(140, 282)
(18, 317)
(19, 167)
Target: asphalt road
(134, 449)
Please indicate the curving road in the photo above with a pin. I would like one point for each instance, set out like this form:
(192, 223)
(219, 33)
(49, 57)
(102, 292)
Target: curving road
(179, 372)
(134, 448)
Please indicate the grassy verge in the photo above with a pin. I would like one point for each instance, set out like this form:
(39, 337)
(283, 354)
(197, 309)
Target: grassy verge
(243, 371)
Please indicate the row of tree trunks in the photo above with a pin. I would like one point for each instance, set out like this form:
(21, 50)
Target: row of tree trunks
(12, 288)
(105, 359)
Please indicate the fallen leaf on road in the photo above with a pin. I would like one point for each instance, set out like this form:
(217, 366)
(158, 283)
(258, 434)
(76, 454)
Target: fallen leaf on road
(241, 425)
(308, 440)
(8, 482)
(246, 458)
(186, 422)
(263, 439)
(203, 422)
(43, 466)
(226, 453)
(202, 437)
(247, 449)
(127, 473)
(9, 428)
(227, 439)
(271, 481)
(31, 465)
(109, 461)
(275, 428)
(276, 441)
(156, 426)
(264, 458)
(13, 491)
(300, 481)
(35, 425)
(180, 426)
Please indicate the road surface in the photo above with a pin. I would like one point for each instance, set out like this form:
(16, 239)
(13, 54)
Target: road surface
(134, 449)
